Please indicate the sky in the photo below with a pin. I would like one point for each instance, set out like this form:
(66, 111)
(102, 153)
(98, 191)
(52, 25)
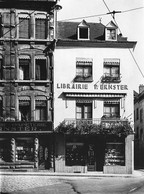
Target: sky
(131, 23)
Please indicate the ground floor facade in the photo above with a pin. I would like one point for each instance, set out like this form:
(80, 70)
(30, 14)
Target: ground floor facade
(26, 151)
(56, 152)
(94, 153)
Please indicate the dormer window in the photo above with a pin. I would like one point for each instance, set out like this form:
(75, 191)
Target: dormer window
(111, 32)
(83, 31)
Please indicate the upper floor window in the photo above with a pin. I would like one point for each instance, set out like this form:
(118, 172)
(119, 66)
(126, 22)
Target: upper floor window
(111, 109)
(40, 69)
(141, 115)
(24, 68)
(40, 28)
(41, 110)
(83, 110)
(83, 31)
(111, 31)
(24, 27)
(83, 69)
(24, 109)
(111, 70)
(1, 68)
(137, 114)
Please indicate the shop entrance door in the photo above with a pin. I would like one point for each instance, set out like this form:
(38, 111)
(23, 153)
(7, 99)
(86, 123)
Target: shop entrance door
(96, 154)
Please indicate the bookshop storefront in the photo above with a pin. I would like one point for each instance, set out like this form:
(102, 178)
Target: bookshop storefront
(108, 154)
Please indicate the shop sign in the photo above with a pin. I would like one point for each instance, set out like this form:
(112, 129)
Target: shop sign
(95, 87)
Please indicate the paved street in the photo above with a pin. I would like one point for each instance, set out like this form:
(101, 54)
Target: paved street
(27, 184)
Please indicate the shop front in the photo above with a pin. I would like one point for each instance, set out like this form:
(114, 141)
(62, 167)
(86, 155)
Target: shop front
(95, 151)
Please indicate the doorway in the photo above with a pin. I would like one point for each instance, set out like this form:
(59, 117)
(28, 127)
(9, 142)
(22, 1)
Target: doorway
(95, 153)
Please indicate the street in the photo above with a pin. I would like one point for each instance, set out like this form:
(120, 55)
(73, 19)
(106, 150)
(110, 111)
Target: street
(37, 184)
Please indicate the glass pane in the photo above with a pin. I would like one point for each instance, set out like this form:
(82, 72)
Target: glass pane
(107, 71)
(24, 28)
(115, 71)
(79, 71)
(40, 29)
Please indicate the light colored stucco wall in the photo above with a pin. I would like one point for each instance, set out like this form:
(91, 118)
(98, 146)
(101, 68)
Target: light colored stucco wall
(65, 71)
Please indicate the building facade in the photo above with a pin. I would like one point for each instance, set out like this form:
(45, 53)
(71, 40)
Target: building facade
(93, 99)
(139, 127)
(26, 87)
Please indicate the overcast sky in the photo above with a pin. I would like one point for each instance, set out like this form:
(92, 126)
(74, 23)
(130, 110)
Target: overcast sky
(131, 23)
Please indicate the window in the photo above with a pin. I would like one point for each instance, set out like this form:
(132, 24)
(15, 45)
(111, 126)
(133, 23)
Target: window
(25, 150)
(141, 115)
(41, 111)
(83, 31)
(1, 69)
(40, 29)
(24, 69)
(24, 110)
(83, 69)
(137, 114)
(24, 28)
(83, 110)
(111, 34)
(111, 70)
(111, 109)
(40, 69)
(111, 31)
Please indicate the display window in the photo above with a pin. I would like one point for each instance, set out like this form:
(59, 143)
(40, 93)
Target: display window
(25, 150)
(75, 154)
(5, 150)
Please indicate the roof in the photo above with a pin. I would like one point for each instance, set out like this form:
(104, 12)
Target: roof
(67, 36)
(68, 30)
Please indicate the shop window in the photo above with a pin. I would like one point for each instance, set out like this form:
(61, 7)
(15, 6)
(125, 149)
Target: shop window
(5, 150)
(83, 110)
(25, 150)
(24, 110)
(115, 154)
(1, 69)
(75, 154)
(111, 110)
(40, 69)
(40, 29)
(24, 69)
(111, 70)
(24, 28)
(41, 111)
(83, 69)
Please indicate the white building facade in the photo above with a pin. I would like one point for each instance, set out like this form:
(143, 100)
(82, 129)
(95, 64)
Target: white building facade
(92, 99)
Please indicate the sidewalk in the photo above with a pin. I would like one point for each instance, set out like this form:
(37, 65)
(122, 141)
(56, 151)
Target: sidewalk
(136, 173)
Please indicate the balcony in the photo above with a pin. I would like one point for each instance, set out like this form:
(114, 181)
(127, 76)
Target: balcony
(114, 126)
(83, 78)
(111, 78)
(25, 126)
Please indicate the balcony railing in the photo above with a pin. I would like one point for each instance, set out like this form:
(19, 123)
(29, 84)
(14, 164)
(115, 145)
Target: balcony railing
(106, 123)
(111, 78)
(15, 126)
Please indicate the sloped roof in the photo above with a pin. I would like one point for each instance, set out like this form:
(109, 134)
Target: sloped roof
(68, 30)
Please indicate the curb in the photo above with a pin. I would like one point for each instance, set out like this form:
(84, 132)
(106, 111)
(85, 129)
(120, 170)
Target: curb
(51, 174)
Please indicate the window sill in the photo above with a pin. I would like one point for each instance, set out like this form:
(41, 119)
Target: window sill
(83, 79)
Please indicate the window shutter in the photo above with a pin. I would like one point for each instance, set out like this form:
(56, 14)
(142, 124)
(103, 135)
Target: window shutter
(24, 28)
(40, 31)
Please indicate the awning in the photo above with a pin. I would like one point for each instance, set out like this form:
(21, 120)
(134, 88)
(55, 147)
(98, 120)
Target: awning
(40, 98)
(111, 61)
(94, 95)
(24, 57)
(24, 98)
(84, 61)
(40, 57)
(112, 101)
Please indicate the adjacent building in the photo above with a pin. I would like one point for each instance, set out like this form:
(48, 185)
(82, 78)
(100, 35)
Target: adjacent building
(139, 127)
(26, 88)
(93, 98)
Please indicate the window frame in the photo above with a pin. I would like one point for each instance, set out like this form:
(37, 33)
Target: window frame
(40, 73)
(111, 113)
(83, 112)
(28, 64)
(24, 17)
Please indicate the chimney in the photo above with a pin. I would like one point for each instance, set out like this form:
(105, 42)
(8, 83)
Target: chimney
(141, 88)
